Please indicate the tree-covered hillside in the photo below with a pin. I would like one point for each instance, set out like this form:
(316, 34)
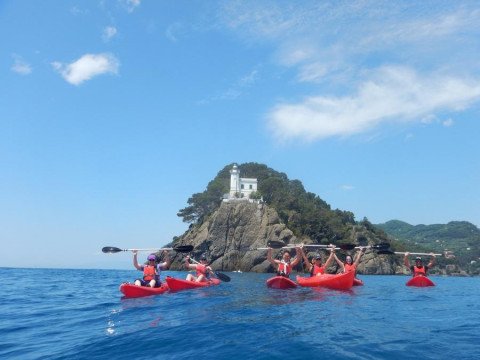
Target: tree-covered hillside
(305, 213)
(460, 237)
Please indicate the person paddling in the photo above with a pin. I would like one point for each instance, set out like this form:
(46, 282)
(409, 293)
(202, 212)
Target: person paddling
(151, 271)
(418, 269)
(349, 264)
(284, 266)
(315, 266)
(203, 271)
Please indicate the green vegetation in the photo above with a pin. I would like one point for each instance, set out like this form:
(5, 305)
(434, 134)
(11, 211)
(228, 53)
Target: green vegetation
(303, 212)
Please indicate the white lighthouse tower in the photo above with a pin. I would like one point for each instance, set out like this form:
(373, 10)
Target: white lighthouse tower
(240, 188)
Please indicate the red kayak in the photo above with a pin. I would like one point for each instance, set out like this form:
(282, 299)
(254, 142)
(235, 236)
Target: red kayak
(357, 282)
(180, 284)
(342, 281)
(133, 291)
(280, 282)
(420, 281)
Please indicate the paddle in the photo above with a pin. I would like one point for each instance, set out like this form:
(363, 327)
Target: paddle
(220, 275)
(387, 252)
(381, 246)
(180, 248)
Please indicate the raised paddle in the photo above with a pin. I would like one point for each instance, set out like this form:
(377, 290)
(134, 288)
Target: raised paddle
(381, 246)
(220, 275)
(180, 248)
(387, 252)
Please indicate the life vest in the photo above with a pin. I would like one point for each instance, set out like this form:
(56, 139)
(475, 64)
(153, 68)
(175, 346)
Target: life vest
(419, 271)
(202, 270)
(349, 268)
(148, 272)
(284, 269)
(317, 270)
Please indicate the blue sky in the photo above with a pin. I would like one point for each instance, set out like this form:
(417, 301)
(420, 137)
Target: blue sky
(114, 112)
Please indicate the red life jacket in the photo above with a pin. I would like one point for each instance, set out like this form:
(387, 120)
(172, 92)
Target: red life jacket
(419, 271)
(202, 270)
(349, 268)
(284, 269)
(317, 270)
(148, 272)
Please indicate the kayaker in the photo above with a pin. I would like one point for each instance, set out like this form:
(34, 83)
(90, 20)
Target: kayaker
(151, 271)
(284, 266)
(349, 264)
(315, 266)
(418, 269)
(203, 271)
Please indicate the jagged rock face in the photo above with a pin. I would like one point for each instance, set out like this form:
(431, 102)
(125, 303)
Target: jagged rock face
(239, 225)
(235, 227)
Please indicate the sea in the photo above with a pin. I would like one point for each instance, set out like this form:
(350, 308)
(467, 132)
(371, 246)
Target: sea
(80, 314)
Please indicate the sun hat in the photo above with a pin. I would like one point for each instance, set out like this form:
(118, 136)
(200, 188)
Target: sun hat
(151, 257)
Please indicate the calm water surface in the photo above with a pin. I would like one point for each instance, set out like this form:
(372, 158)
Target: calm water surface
(243, 319)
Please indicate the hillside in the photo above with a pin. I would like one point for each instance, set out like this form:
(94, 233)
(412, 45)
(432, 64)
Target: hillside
(460, 237)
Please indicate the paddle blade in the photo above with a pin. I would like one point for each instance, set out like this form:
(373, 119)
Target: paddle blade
(183, 248)
(381, 246)
(111, 249)
(222, 276)
(275, 244)
(346, 246)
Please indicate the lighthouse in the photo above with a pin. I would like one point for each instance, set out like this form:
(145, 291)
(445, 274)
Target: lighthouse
(240, 188)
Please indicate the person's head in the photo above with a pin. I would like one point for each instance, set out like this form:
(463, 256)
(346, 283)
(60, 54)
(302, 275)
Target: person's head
(151, 259)
(317, 259)
(349, 260)
(418, 261)
(203, 258)
(287, 256)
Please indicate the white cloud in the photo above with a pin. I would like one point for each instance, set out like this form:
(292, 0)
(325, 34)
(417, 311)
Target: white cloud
(391, 94)
(448, 123)
(108, 33)
(348, 187)
(21, 66)
(87, 67)
(131, 5)
(172, 30)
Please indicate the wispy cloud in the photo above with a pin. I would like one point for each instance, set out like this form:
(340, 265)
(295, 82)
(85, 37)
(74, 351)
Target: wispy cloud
(392, 94)
(448, 123)
(87, 67)
(131, 5)
(373, 62)
(348, 187)
(20, 65)
(108, 33)
(235, 90)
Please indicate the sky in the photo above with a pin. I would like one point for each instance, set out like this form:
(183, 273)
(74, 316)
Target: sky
(114, 112)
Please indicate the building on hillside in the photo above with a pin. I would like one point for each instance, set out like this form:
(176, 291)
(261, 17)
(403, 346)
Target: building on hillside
(240, 188)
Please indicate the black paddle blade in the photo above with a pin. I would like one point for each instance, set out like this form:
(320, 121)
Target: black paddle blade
(385, 252)
(275, 244)
(222, 276)
(347, 247)
(381, 246)
(183, 248)
(111, 249)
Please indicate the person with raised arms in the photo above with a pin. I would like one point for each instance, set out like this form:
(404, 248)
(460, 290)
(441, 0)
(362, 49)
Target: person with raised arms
(315, 266)
(151, 271)
(418, 269)
(284, 266)
(203, 270)
(349, 264)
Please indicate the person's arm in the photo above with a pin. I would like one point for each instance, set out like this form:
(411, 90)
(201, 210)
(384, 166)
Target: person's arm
(432, 260)
(407, 263)
(135, 262)
(309, 265)
(166, 263)
(341, 264)
(269, 257)
(297, 257)
(188, 265)
(357, 261)
(329, 260)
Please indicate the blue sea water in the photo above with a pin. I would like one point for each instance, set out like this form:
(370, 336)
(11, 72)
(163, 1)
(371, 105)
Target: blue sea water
(79, 314)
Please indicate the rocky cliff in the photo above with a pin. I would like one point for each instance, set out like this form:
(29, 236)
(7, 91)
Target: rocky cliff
(228, 236)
